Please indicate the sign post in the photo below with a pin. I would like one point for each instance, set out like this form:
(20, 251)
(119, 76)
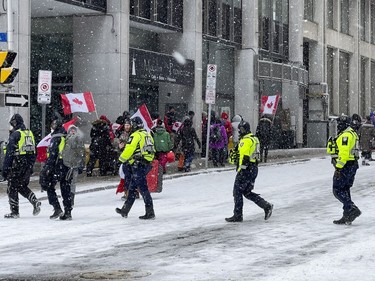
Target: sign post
(210, 99)
(44, 93)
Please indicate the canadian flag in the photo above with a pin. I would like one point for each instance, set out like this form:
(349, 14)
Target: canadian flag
(143, 113)
(269, 104)
(80, 102)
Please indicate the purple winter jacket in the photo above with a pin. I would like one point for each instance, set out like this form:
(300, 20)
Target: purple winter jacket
(224, 140)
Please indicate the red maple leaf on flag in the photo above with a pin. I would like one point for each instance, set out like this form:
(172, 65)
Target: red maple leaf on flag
(77, 101)
(269, 105)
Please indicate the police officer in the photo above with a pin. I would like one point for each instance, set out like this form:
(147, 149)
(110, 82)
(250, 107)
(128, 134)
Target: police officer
(18, 166)
(55, 171)
(247, 171)
(345, 154)
(138, 153)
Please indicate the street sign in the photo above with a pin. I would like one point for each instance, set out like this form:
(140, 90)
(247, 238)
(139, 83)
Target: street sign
(210, 96)
(18, 100)
(44, 86)
(3, 37)
(211, 84)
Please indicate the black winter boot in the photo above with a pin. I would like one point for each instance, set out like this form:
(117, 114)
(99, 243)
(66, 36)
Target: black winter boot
(124, 211)
(235, 218)
(56, 214)
(354, 213)
(268, 211)
(150, 214)
(67, 216)
(11, 216)
(343, 220)
(36, 209)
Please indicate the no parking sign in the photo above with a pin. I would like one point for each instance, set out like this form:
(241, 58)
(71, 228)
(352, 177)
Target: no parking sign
(44, 86)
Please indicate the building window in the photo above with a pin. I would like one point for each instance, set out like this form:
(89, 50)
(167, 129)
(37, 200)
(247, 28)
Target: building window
(330, 68)
(373, 23)
(222, 19)
(344, 83)
(363, 18)
(309, 10)
(237, 21)
(345, 16)
(274, 34)
(330, 14)
(167, 13)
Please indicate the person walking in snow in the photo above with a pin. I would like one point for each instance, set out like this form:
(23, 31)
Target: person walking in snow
(55, 171)
(18, 166)
(344, 150)
(139, 153)
(247, 172)
(163, 144)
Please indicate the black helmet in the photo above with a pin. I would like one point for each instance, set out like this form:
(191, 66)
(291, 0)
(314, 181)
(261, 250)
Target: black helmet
(57, 123)
(243, 128)
(16, 120)
(356, 121)
(137, 123)
(343, 122)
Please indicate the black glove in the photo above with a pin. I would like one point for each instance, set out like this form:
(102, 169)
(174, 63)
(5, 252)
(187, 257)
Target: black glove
(5, 175)
(337, 173)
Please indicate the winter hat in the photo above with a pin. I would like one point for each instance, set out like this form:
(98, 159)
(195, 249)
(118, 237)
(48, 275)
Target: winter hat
(72, 127)
(104, 118)
(224, 115)
(237, 118)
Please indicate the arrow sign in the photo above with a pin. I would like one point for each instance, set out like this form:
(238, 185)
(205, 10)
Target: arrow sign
(16, 100)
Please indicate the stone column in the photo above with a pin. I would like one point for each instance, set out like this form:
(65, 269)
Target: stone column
(291, 98)
(101, 58)
(21, 45)
(246, 80)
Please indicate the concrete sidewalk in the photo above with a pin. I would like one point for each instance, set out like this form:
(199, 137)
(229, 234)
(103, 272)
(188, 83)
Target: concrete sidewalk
(85, 184)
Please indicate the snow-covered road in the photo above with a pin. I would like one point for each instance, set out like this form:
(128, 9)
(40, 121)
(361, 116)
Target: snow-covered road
(189, 240)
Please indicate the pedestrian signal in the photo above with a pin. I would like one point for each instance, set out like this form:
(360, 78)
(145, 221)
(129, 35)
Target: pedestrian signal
(7, 73)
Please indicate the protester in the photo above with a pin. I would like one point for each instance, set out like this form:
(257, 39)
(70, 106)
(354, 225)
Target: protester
(163, 144)
(366, 140)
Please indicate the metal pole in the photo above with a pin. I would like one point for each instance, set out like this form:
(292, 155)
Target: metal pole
(208, 134)
(43, 120)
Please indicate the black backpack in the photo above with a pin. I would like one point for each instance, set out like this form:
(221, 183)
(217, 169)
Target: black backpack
(216, 135)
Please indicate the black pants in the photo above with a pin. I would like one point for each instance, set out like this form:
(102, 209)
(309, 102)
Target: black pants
(66, 194)
(18, 182)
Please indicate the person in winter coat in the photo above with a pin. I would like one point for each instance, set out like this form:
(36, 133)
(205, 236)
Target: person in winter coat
(345, 153)
(227, 124)
(235, 122)
(170, 119)
(366, 139)
(139, 153)
(163, 144)
(263, 133)
(100, 148)
(55, 171)
(18, 166)
(187, 136)
(218, 143)
(247, 172)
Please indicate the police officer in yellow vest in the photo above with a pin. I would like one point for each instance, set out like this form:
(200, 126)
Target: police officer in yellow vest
(247, 171)
(55, 171)
(344, 150)
(139, 153)
(18, 166)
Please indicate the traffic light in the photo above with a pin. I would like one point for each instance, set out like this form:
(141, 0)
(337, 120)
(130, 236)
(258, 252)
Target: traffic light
(7, 73)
